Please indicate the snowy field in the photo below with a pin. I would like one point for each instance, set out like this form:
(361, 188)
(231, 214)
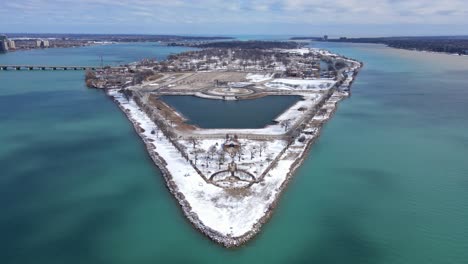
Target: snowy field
(300, 84)
(254, 156)
(256, 78)
(301, 51)
(216, 208)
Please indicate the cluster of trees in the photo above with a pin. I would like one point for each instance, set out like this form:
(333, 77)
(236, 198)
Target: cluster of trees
(286, 124)
(216, 153)
(253, 44)
(243, 58)
(115, 37)
(141, 75)
(256, 54)
(213, 153)
(458, 45)
(90, 78)
(450, 46)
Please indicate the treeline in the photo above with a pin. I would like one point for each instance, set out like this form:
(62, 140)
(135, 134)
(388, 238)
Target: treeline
(118, 37)
(244, 44)
(450, 46)
(456, 44)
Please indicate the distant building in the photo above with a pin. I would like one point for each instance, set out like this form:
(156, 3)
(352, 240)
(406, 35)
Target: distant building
(11, 44)
(3, 44)
(230, 55)
(40, 43)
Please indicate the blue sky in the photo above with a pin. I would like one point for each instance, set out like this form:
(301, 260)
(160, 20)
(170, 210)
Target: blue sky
(217, 17)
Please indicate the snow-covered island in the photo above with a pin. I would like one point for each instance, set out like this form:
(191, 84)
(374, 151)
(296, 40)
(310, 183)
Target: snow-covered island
(228, 181)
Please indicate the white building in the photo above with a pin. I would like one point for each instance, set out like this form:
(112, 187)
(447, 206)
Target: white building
(41, 43)
(11, 44)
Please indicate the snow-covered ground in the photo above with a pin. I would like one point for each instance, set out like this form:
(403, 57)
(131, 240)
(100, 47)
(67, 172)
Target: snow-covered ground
(229, 215)
(301, 84)
(291, 116)
(255, 155)
(300, 51)
(232, 216)
(256, 77)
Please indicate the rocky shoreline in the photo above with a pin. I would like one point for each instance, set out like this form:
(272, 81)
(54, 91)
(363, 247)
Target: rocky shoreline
(231, 213)
(219, 238)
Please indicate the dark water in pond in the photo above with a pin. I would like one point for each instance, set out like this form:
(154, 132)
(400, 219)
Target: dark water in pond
(387, 182)
(209, 113)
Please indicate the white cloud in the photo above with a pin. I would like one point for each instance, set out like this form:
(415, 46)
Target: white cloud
(235, 12)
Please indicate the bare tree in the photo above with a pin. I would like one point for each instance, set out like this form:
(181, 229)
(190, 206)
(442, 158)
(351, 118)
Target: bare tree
(194, 141)
(221, 157)
(197, 153)
(126, 93)
(183, 149)
(240, 152)
(161, 125)
(262, 147)
(269, 157)
(170, 133)
(286, 124)
(207, 159)
(212, 150)
(253, 150)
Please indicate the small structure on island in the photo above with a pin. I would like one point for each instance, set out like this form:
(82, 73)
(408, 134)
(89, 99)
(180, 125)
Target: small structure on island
(219, 83)
(240, 84)
(233, 177)
(231, 145)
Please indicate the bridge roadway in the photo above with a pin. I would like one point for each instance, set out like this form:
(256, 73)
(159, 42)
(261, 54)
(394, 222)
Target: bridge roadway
(48, 67)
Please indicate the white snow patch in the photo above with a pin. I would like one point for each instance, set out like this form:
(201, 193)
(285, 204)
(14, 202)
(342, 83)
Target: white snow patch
(301, 84)
(256, 78)
(215, 207)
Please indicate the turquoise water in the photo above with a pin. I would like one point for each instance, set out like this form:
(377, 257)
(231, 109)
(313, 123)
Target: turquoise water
(387, 182)
(208, 113)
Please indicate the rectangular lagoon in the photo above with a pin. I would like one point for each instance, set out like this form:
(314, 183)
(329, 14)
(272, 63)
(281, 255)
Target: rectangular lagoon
(210, 113)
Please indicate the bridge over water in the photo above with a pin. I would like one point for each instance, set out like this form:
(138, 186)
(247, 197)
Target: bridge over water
(48, 67)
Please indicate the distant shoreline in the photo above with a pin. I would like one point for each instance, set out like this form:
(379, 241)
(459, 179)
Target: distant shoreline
(232, 211)
(24, 41)
(447, 45)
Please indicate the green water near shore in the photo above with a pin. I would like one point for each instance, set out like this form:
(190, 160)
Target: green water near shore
(209, 113)
(387, 182)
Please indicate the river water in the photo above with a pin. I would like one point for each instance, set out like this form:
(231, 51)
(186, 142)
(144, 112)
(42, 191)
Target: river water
(387, 182)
